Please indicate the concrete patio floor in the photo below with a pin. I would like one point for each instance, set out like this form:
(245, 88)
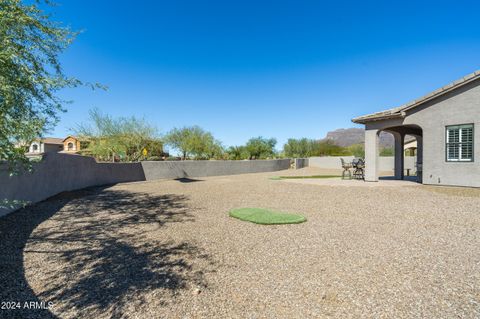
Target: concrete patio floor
(383, 182)
(385, 179)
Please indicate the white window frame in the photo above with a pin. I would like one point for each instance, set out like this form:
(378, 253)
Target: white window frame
(460, 143)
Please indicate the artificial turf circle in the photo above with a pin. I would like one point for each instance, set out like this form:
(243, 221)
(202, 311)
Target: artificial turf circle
(266, 216)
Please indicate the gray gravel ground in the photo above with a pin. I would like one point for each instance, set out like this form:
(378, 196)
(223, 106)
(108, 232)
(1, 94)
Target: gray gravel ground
(167, 249)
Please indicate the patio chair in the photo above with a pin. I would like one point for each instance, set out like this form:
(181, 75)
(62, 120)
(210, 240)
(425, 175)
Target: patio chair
(358, 168)
(346, 169)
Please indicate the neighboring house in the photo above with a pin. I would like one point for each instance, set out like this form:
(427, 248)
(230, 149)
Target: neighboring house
(72, 144)
(45, 145)
(443, 123)
(410, 147)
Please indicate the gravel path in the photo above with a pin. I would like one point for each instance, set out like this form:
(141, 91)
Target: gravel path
(167, 249)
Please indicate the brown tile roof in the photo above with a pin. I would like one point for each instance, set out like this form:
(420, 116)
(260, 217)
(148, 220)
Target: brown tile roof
(52, 140)
(399, 111)
(70, 136)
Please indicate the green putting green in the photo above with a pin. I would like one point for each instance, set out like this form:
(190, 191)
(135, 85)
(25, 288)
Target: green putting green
(266, 216)
(275, 178)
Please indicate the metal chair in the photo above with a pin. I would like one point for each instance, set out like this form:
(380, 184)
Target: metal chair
(346, 169)
(358, 166)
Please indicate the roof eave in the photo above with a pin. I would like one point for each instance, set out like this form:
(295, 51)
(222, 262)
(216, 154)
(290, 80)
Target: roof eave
(364, 120)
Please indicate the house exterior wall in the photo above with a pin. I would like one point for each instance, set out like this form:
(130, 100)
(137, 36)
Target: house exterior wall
(52, 148)
(76, 144)
(36, 147)
(44, 147)
(461, 106)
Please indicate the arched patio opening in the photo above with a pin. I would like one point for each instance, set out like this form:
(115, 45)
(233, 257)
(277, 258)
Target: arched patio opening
(399, 133)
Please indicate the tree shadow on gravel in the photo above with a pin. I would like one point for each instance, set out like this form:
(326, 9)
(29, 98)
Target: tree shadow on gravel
(98, 252)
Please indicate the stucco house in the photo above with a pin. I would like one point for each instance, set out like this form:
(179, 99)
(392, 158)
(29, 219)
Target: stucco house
(70, 144)
(410, 147)
(73, 144)
(443, 123)
(45, 145)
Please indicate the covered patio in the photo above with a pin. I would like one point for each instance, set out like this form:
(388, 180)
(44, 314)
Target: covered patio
(377, 123)
(443, 125)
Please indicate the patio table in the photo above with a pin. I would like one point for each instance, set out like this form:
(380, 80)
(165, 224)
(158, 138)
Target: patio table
(358, 166)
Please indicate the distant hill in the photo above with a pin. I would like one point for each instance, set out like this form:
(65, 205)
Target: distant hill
(348, 136)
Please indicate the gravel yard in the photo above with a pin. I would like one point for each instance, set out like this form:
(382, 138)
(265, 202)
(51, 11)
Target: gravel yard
(168, 249)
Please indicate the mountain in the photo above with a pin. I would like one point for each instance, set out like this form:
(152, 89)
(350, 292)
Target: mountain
(348, 136)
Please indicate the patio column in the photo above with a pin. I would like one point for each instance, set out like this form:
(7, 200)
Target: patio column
(419, 164)
(399, 154)
(371, 155)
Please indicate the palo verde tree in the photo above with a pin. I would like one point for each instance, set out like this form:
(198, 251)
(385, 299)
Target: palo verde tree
(127, 139)
(308, 147)
(237, 153)
(214, 149)
(299, 147)
(357, 150)
(260, 147)
(193, 141)
(30, 76)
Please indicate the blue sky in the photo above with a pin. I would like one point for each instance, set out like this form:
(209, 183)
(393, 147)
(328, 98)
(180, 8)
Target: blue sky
(271, 68)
